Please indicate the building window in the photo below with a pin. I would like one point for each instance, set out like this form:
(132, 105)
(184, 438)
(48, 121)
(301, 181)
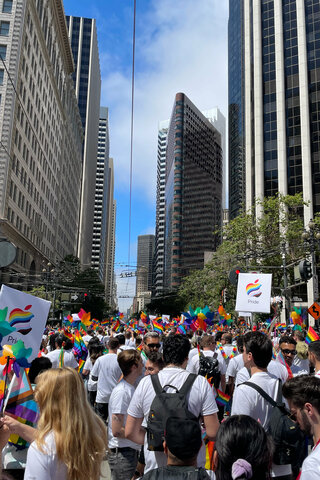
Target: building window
(7, 6)
(3, 51)
(4, 29)
(1, 76)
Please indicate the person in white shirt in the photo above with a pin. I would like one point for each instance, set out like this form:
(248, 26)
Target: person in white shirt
(257, 354)
(201, 401)
(71, 439)
(62, 356)
(208, 347)
(235, 365)
(123, 454)
(288, 352)
(275, 369)
(303, 396)
(130, 339)
(314, 356)
(107, 373)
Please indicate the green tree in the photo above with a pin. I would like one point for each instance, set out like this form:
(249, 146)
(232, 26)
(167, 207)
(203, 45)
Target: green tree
(255, 242)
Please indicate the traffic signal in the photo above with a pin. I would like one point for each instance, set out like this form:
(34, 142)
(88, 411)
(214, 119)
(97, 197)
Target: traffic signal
(234, 275)
(305, 270)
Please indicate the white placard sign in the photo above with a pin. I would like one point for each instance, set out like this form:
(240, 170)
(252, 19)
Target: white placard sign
(27, 315)
(253, 293)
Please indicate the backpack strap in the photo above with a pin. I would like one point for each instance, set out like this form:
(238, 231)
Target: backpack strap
(188, 384)
(262, 392)
(156, 384)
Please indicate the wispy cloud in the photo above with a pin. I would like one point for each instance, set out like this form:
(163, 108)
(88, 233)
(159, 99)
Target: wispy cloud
(181, 46)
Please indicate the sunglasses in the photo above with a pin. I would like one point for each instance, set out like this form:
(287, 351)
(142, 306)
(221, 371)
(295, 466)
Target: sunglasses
(289, 352)
(153, 345)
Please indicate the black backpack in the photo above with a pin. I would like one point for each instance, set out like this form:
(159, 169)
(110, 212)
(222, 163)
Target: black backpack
(209, 367)
(286, 434)
(167, 405)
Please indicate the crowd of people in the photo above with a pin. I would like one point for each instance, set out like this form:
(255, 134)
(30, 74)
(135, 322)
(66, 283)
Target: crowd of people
(151, 407)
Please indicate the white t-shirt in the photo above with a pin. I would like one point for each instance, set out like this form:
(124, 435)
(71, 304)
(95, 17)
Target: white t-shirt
(193, 364)
(107, 369)
(44, 466)
(87, 338)
(317, 373)
(91, 385)
(193, 351)
(118, 404)
(303, 364)
(311, 466)
(201, 401)
(247, 401)
(235, 365)
(296, 368)
(275, 369)
(131, 342)
(69, 359)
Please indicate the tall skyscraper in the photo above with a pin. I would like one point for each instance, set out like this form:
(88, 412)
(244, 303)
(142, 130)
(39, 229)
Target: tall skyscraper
(41, 135)
(160, 209)
(145, 255)
(101, 207)
(193, 193)
(110, 241)
(236, 151)
(279, 44)
(87, 82)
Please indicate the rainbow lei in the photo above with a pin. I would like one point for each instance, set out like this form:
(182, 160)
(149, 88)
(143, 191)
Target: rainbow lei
(225, 356)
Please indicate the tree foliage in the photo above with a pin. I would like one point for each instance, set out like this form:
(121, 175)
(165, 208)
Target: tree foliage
(255, 241)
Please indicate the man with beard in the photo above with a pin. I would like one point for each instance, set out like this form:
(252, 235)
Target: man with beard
(303, 396)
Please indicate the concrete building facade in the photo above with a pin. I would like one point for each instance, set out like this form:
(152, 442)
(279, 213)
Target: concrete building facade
(41, 135)
(145, 257)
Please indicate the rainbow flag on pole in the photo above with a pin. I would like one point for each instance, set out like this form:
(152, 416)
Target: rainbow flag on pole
(157, 327)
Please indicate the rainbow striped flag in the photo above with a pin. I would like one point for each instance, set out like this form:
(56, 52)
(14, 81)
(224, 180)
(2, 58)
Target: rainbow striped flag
(81, 365)
(116, 326)
(21, 405)
(312, 336)
(182, 329)
(79, 347)
(157, 327)
(222, 398)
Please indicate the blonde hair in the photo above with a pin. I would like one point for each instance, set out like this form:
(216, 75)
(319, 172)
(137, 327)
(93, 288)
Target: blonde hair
(80, 435)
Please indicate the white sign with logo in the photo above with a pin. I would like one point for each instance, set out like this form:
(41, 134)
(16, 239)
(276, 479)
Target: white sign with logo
(254, 292)
(26, 318)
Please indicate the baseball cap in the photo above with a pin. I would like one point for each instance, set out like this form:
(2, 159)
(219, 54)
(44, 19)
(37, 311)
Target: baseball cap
(183, 437)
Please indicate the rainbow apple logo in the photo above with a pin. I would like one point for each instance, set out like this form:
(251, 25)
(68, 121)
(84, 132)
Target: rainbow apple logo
(20, 319)
(253, 289)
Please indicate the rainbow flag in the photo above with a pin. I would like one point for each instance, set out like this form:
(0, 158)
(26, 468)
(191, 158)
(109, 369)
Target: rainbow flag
(81, 365)
(182, 329)
(157, 327)
(312, 336)
(21, 405)
(116, 326)
(79, 347)
(222, 398)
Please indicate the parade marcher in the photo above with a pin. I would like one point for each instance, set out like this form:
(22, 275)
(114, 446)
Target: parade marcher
(288, 352)
(151, 342)
(208, 347)
(60, 452)
(123, 454)
(242, 450)
(235, 365)
(63, 355)
(274, 368)
(182, 442)
(257, 353)
(201, 401)
(301, 359)
(154, 363)
(303, 396)
(314, 356)
(106, 372)
(95, 351)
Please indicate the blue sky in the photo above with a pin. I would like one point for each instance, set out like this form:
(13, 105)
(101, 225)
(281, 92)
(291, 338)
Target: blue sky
(181, 46)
